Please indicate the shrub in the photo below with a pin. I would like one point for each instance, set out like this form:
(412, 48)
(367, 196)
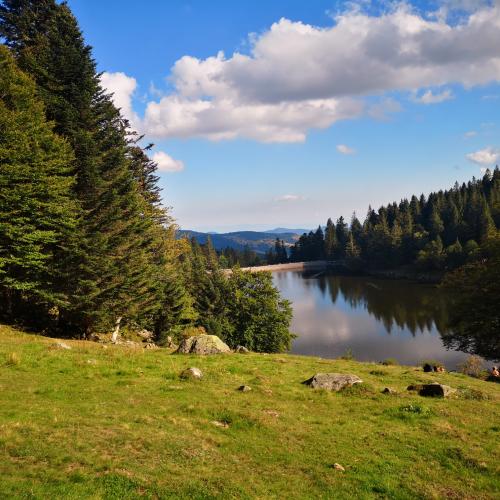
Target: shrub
(390, 362)
(472, 366)
(348, 355)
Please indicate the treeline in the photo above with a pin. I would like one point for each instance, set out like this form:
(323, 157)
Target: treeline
(85, 243)
(443, 231)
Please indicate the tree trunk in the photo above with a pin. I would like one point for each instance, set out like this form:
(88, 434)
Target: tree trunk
(116, 331)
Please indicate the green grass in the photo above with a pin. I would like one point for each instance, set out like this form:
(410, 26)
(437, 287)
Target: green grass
(120, 423)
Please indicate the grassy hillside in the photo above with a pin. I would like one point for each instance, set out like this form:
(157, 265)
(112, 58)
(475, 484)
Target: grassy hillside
(116, 422)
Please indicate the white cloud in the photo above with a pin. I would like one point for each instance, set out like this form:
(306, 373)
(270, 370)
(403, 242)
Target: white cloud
(469, 134)
(166, 163)
(345, 150)
(122, 87)
(297, 77)
(430, 98)
(290, 197)
(487, 156)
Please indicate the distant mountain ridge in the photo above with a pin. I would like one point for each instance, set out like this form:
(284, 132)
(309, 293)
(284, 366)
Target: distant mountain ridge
(259, 241)
(285, 230)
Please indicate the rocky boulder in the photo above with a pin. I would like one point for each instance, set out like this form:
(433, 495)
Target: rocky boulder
(192, 373)
(146, 335)
(62, 345)
(203, 344)
(241, 350)
(332, 381)
(436, 390)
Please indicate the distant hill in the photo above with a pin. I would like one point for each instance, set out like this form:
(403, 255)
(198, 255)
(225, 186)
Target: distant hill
(285, 230)
(258, 241)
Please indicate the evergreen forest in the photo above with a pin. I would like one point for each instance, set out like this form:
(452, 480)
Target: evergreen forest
(86, 245)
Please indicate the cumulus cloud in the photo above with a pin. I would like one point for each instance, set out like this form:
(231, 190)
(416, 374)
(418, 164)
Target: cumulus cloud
(345, 150)
(166, 163)
(430, 98)
(297, 77)
(486, 156)
(290, 197)
(122, 87)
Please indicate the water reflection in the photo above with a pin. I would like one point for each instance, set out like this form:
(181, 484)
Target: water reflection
(375, 318)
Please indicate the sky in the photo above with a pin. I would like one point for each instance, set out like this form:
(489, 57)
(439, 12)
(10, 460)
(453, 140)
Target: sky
(283, 113)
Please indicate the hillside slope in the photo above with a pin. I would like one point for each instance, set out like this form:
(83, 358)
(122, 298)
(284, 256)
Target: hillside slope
(260, 242)
(115, 422)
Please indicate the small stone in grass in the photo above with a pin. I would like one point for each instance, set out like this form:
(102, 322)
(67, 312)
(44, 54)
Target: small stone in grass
(223, 425)
(338, 467)
(244, 388)
(62, 345)
(192, 373)
(388, 390)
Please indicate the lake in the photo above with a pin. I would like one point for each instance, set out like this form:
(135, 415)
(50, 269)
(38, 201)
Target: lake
(374, 318)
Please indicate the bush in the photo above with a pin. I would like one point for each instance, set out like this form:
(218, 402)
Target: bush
(390, 362)
(348, 355)
(259, 317)
(472, 366)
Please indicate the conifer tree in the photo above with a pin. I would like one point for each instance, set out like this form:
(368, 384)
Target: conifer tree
(115, 265)
(37, 212)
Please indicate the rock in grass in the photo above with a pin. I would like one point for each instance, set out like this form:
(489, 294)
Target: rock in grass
(332, 381)
(389, 391)
(244, 388)
(338, 467)
(203, 344)
(414, 387)
(62, 345)
(241, 350)
(436, 390)
(192, 373)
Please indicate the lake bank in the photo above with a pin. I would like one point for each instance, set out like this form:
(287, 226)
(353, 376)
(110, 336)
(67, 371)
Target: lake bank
(400, 273)
(91, 422)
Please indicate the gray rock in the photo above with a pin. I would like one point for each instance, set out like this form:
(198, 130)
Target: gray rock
(169, 344)
(338, 467)
(62, 345)
(436, 390)
(414, 387)
(244, 388)
(332, 381)
(388, 390)
(242, 350)
(203, 344)
(145, 334)
(192, 373)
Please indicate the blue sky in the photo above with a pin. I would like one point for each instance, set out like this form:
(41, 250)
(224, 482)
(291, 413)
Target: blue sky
(285, 113)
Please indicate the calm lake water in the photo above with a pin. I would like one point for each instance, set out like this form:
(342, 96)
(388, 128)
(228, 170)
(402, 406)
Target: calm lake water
(375, 318)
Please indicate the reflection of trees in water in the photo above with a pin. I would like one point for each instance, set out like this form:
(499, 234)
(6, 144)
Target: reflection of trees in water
(394, 303)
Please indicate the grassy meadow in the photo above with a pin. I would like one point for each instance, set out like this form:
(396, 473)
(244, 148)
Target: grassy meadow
(115, 422)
